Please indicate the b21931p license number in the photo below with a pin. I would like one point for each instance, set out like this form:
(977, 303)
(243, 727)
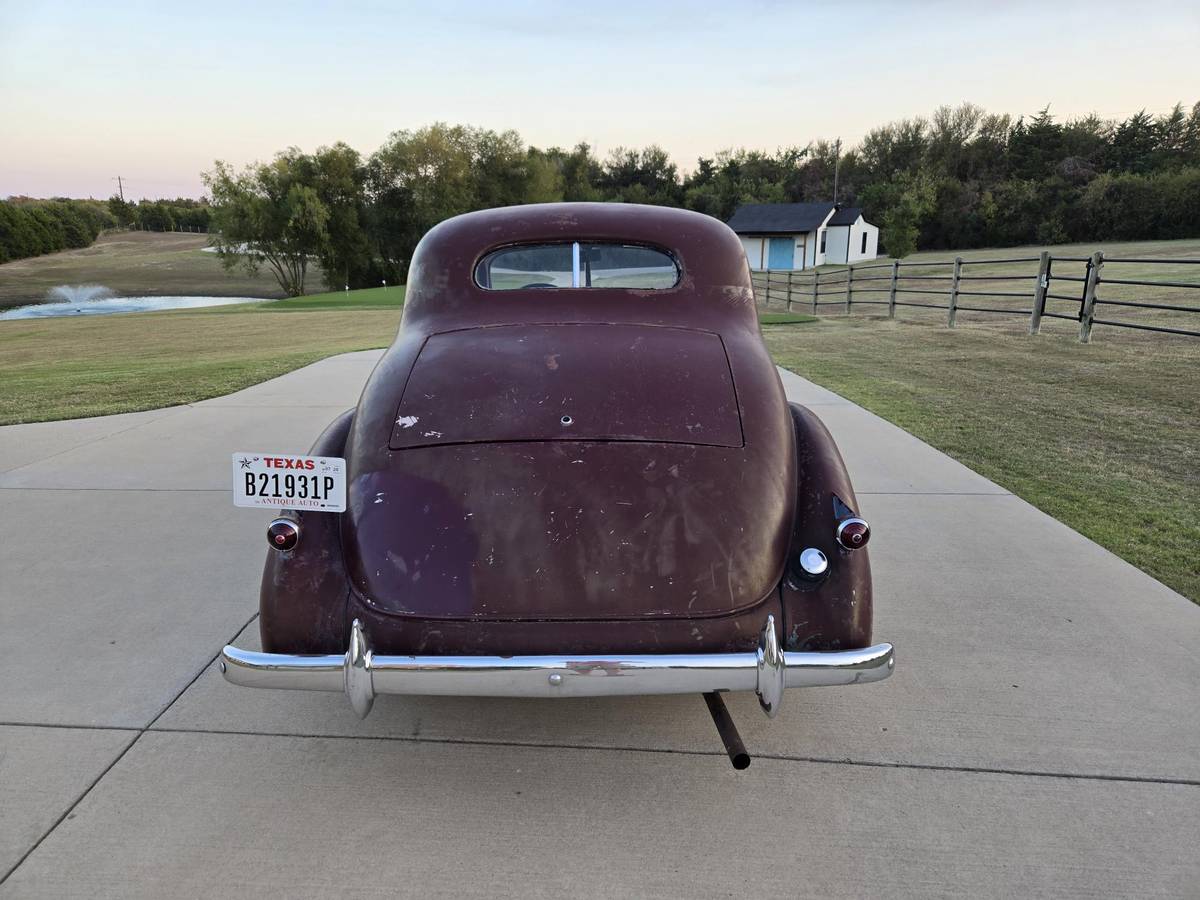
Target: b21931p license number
(286, 481)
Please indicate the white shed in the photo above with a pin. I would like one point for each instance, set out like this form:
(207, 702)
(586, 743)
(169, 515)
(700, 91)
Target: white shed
(802, 235)
(849, 237)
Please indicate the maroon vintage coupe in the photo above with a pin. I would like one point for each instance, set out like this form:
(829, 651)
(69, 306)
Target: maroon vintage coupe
(574, 473)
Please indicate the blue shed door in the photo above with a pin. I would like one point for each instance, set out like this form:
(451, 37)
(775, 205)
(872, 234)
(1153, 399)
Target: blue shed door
(781, 254)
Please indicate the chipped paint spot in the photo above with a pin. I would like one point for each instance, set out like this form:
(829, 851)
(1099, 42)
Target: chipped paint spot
(433, 434)
(407, 421)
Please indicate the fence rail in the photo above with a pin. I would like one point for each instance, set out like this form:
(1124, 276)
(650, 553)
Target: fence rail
(1089, 291)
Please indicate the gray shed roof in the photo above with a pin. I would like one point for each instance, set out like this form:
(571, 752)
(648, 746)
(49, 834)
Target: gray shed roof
(789, 218)
(779, 218)
(847, 215)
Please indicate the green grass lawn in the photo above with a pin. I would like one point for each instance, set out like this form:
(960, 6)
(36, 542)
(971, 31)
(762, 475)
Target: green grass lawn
(370, 298)
(1104, 436)
(96, 365)
(770, 317)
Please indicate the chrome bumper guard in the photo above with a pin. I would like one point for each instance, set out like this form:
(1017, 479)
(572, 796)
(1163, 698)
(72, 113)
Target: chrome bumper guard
(362, 674)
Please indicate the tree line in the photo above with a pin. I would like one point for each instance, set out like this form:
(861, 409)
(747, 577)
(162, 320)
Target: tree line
(958, 179)
(30, 227)
(180, 214)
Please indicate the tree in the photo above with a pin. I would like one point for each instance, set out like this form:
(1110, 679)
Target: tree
(338, 177)
(905, 203)
(1010, 213)
(267, 214)
(1134, 144)
(894, 149)
(15, 238)
(951, 132)
(720, 185)
(415, 180)
(1035, 149)
(155, 216)
(578, 171)
(507, 174)
(124, 213)
(75, 228)
(419, 178)
(31, 227)
(640, 176)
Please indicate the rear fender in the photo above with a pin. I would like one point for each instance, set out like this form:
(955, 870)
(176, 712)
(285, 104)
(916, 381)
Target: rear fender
(834, 613)
(304, 593)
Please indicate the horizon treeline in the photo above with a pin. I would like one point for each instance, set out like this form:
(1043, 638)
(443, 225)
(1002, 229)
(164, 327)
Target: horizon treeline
(32, 227)
(959, 179)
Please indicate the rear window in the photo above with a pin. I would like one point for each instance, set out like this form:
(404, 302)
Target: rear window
(577, 265)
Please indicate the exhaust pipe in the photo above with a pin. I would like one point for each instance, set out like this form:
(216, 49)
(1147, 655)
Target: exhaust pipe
(727, 730)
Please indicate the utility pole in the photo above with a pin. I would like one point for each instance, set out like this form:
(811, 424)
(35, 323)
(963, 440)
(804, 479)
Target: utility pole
(120, 188)
(837, 159)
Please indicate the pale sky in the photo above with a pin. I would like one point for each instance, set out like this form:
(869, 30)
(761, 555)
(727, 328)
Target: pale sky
(156, 91)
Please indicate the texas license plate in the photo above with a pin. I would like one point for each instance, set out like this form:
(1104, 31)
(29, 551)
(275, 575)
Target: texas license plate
(284, 481)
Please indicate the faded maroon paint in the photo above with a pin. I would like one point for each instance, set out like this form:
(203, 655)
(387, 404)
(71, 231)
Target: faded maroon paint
(569, 383)
(302, 602)
(495, 533)
(834, 614)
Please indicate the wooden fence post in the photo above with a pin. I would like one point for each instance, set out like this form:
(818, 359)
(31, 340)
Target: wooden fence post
(816, 281)
(892, 289)
(849, 281)
(952, 314)
(1039, 293)
(1086, 314)
(789, 290)
(767, 290)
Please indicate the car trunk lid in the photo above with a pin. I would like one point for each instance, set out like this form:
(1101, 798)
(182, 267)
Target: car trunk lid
(569, 383)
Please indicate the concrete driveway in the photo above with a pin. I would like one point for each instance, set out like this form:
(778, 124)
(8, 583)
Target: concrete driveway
(1041, 735)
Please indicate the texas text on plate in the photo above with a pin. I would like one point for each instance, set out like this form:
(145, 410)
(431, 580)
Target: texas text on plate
(285, 480)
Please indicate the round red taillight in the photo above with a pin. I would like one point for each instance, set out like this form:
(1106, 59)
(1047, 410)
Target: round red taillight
(853, 534)
(283, 534)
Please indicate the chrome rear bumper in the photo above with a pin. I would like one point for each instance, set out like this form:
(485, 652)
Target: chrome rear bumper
(362, 674)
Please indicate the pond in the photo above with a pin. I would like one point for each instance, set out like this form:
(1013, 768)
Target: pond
(96, 300)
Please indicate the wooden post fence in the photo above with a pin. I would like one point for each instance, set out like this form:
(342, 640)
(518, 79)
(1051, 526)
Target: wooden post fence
(953, 313)
(892, 289)
(1039, 293)
(1087, 313)
(1040, 296)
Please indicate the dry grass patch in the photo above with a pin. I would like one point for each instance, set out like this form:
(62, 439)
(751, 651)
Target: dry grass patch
(136, 264)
